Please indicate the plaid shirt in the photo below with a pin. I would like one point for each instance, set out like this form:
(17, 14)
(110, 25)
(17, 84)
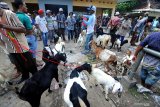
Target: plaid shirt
(14, 42)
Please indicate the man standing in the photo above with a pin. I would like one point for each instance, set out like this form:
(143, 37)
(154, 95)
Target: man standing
(90, 28)
(12, 31)
(55, 24)
(113, 24)
(139, 29)
(70, 25)
(61, 23)
(32, 42)
(50, 21)
(124, 28)
(150, 72)
(41, 24)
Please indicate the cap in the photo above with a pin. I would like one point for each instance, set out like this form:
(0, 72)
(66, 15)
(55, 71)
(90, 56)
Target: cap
(4, 5)
(117, 13)
(127, 14)
(40, 11)
(48, 11)
(74, 15)
(60, 9)
(92, 8)
(28, 14)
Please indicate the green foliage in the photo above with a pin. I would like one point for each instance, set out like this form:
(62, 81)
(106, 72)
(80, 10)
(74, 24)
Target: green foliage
(127, 6)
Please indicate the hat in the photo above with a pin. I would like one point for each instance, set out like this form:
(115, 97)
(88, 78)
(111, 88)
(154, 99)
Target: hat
(92, 8)
(48, 11)
(40, 11)
(4, 5)
(28, 14)
(117, 13)
(127, 14)
(74, 15)
(60, 9)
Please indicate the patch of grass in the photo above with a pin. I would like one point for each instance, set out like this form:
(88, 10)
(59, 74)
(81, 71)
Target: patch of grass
(137, 95)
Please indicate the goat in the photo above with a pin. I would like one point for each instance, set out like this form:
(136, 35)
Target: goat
(103, 40)
(107, 56)
(75, 94)
(107, 81)
(40, 81)
(47, 53)
(118, 43)
(80, 40)
(59, 47)
(126, 63)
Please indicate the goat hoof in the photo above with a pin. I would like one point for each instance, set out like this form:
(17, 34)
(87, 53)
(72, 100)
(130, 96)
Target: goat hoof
(96, 85)
(60, 85)
(107, 99)
(10, 83)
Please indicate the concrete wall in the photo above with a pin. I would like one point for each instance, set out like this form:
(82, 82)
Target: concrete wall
(69, 3)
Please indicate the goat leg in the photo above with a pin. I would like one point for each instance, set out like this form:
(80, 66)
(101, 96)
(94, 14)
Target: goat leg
(106, 93)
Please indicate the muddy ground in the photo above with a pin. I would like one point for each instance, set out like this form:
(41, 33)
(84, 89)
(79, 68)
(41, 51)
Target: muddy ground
(130, 97)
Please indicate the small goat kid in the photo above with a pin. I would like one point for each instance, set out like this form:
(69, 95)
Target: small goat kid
(75, 94)
(39, 82)
(80, 41)
(107, 81)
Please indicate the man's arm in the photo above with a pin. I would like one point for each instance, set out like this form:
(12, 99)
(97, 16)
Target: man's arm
(142, 45)
(14, 29)
(89, 21)
(19, 28)
(138, 49)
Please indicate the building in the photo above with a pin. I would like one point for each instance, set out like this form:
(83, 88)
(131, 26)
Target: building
(70, 5)
(150, 6)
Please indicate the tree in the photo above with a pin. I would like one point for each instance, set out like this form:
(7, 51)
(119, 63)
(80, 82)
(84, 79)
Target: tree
(127, 6)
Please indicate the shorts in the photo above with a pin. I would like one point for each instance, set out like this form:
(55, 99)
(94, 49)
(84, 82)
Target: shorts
(150, 76)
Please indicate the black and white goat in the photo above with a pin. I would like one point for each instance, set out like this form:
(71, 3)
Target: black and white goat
(107, 81)
(48, 52)
(39, 82)
(75, 94)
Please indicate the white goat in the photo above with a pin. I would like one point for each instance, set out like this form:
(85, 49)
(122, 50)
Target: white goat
(59, 47)
(103, 40)
(107, 81)
(81, 39)
(118, 43)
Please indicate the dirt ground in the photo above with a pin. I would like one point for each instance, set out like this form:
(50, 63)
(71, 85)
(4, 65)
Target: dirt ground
(130, 97)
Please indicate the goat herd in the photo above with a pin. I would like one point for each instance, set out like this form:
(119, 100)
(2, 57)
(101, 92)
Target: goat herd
(75, 94)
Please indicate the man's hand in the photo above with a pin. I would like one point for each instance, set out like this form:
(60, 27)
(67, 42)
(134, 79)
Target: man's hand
(134, 58)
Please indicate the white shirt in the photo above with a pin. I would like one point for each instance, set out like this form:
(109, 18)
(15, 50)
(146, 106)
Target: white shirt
(90, 23)
(90, 27)
(41, 21)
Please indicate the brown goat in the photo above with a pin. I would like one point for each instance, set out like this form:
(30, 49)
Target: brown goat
(107, 56)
